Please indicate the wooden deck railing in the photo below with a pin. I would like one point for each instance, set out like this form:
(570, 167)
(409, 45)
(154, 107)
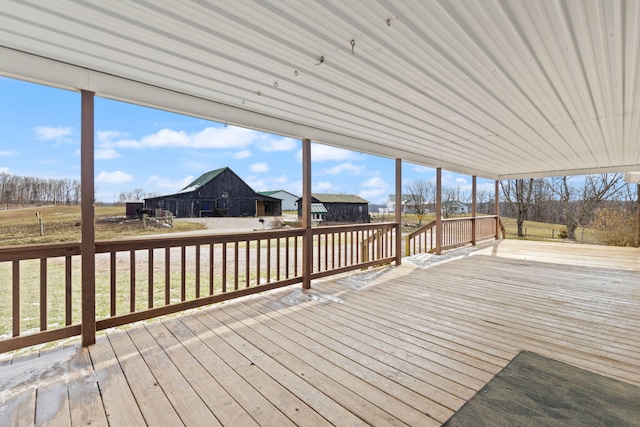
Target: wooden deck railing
(423, 240)
(455, 232)
(137, 279)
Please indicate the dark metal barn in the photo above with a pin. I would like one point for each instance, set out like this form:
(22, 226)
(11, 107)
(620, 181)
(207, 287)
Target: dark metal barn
(218, 192)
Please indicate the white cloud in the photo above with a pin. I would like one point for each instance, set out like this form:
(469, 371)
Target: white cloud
(169, 184)
(210, 137)
(242, 154)
(7, 153)
(421, 169)
(376, 182)
(268, 183)
(376, 190)
(461, 181)
(324, 187)
(322, 153)
(347, 167)
(116, 177)
(374, 195)
(4, 169)
(106, 153)
(277, 144)
(108, 136)
(48, 133)
(259, 167)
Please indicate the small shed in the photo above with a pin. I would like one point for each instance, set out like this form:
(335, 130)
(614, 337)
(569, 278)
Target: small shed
(219, 192)
(133, 208)
(340, 207)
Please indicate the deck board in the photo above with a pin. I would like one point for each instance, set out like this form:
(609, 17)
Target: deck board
(404, 345)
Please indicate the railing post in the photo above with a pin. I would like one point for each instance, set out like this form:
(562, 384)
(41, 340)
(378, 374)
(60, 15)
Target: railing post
(497, 209)
(88, 248)
(473, 210)
(439, 211)
(307, 238)
(398, 212)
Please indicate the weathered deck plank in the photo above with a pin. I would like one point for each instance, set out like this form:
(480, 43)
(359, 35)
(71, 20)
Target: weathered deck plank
(397, 346)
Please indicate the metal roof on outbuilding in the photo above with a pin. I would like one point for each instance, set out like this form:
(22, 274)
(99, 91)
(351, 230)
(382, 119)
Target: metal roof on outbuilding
(338, 198)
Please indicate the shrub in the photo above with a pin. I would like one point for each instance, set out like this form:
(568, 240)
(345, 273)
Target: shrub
(615, 227)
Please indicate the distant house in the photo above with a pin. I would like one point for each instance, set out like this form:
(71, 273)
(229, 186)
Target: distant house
(408, 205)
(391, 203)
(339, 207)
(288, 200)
(454, 207)
(218, 192)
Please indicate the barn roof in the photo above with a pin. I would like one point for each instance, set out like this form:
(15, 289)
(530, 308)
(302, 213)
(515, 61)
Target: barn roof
(202, 180)
(271, 192)
(338, 198)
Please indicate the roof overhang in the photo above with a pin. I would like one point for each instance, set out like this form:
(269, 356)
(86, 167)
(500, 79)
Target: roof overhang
(494, 89)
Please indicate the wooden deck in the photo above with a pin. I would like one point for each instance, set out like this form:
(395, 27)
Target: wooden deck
(394, 346)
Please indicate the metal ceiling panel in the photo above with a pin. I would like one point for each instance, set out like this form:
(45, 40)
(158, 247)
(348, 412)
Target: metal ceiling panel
(494, 88)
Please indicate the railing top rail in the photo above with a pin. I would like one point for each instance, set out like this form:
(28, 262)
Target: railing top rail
(201, 239)
(468, 218)
(422, 229)
(39, 250)
(352, 227)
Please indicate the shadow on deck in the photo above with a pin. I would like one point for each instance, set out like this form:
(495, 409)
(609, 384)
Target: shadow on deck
(395, 346)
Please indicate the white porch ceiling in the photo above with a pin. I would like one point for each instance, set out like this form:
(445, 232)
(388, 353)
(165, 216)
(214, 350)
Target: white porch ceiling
(494, 88)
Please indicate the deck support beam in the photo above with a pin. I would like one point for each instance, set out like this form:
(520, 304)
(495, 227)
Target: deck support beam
(497, 208)
(307, 239)
(439, 211)
(87, 245)
(398, 211)
(474, 210)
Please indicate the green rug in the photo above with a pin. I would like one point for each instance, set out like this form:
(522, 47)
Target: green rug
(533, 390)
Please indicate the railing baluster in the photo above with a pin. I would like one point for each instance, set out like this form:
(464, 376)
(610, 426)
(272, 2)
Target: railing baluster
(197, 254)
(235, 266)
(339, 249)
(319, 238)
(268, 260)
(183, 273)
(224, 267)
(286, 258)
(258, 267)
(43, 294)
(167, 276)
(326, 251)
(67, 291)
(16, 298)
(278, 259)
(295, 256)
(112, 284)
(150, 279)
(247, 263)
(212, 275)
(132, 281)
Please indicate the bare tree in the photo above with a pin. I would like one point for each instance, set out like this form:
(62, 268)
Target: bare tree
(578, 199)
(518, 194)
(418, 195)
(138, 193)
(452, 197)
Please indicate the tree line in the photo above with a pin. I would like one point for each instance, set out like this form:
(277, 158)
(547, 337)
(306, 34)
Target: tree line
(572, 201)
(30, 190)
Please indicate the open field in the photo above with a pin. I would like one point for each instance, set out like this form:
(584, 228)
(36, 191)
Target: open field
(62, 224)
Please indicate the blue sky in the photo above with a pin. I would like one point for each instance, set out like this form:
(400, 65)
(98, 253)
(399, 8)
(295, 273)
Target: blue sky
(161, 152)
